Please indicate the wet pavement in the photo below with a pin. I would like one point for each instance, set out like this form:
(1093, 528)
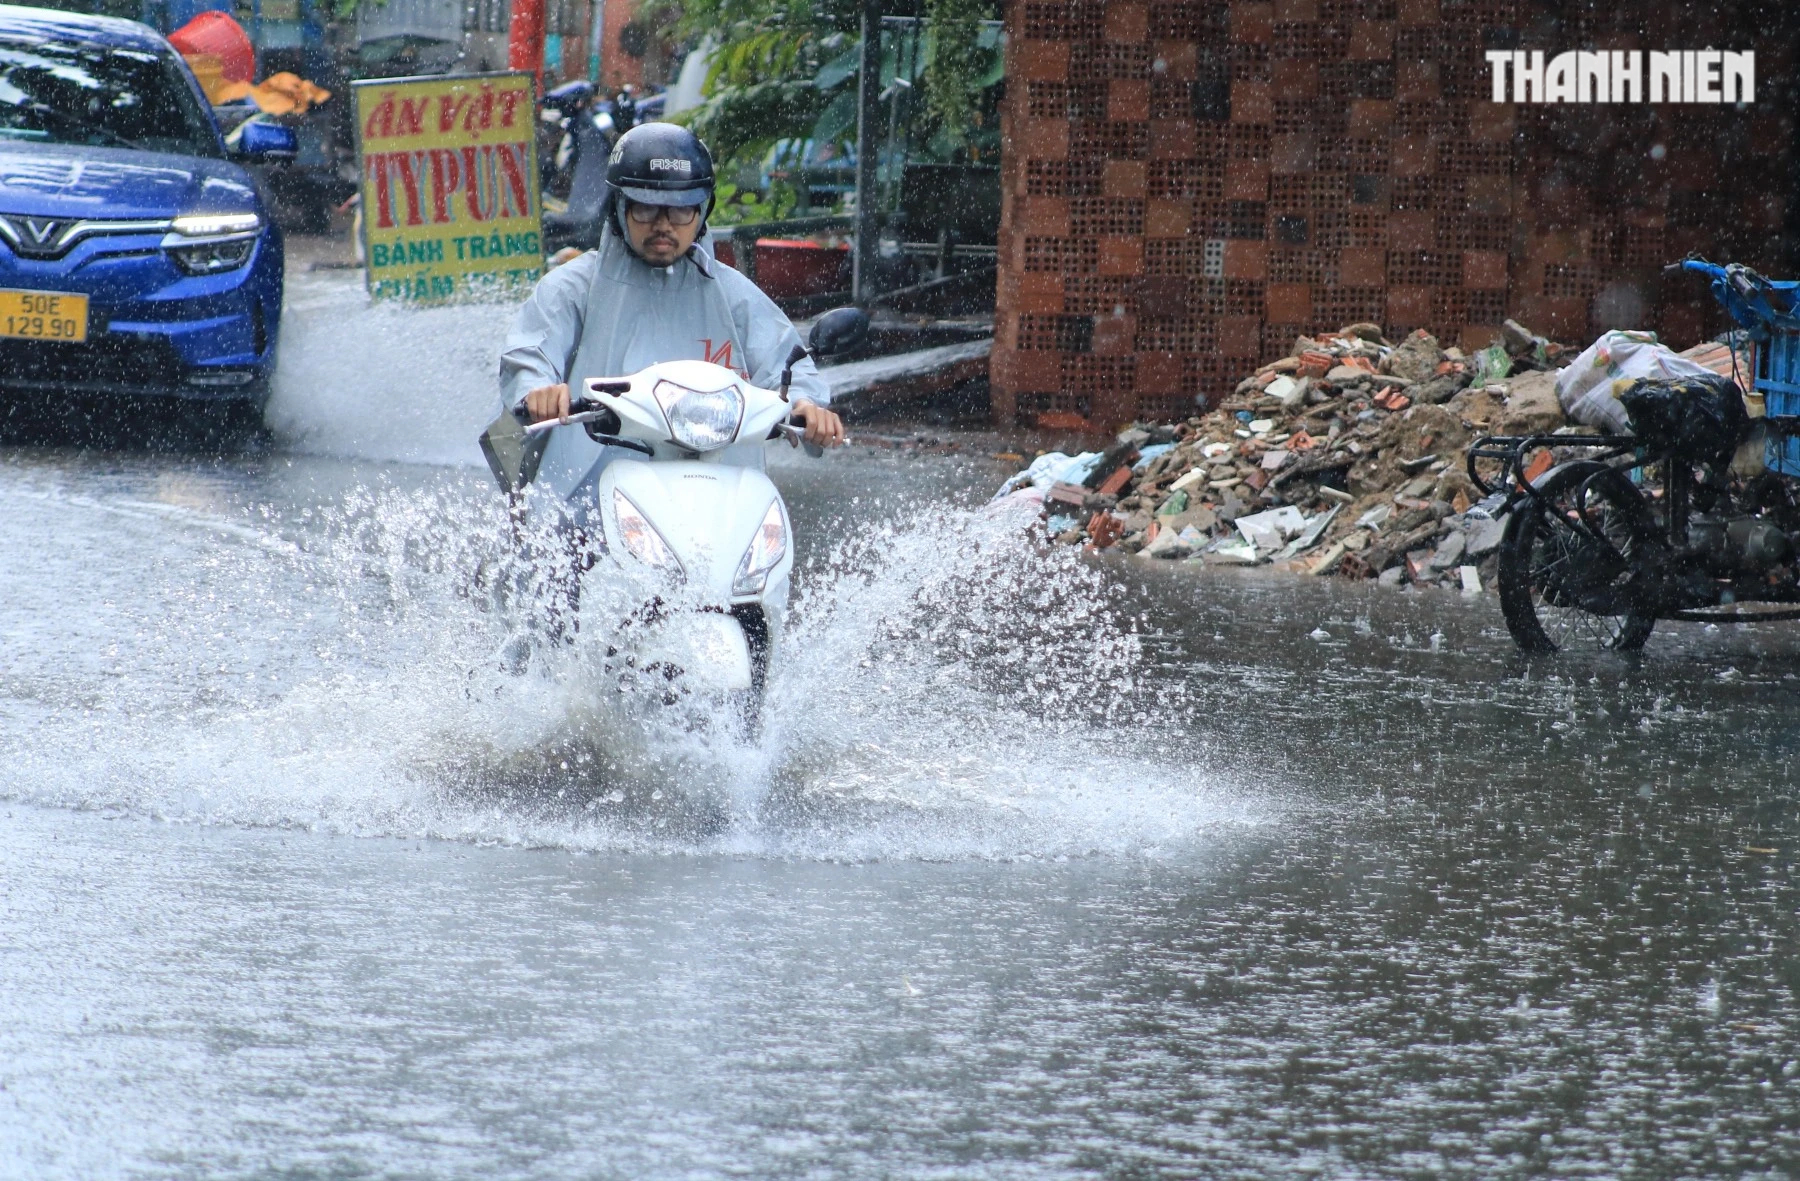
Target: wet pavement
(1046, 866)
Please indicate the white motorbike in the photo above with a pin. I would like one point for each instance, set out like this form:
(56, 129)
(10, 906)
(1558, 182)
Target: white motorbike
(712, 537)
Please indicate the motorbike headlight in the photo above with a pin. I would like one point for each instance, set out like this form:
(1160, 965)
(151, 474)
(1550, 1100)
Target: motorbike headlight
(207, 243)
(765, 553)
(641, 537)
(701, 420)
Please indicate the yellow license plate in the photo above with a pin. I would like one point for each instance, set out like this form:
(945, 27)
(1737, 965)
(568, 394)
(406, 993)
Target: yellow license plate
(44, 315)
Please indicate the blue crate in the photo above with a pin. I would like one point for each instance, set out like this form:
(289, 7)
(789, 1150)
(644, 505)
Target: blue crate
(1782, 452)
(1778, 372)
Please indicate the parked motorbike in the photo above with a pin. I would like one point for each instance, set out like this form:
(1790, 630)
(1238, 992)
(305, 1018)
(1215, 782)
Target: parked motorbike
(578, 127)
(708, 538)
(1607, 534)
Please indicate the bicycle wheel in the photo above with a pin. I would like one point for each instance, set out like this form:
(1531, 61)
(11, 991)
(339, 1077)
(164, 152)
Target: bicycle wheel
(1566, 563)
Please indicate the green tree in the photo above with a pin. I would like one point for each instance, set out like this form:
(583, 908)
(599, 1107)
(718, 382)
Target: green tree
(787, 69)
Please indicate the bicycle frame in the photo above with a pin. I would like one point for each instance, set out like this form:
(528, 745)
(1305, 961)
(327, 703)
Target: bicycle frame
(1678, 487)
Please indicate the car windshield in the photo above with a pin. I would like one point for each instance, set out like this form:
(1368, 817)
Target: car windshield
(72, 93)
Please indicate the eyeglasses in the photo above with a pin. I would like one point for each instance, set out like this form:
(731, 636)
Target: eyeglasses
(678, 215)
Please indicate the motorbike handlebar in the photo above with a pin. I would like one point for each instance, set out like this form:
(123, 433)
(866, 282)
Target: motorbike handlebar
(1697, 265)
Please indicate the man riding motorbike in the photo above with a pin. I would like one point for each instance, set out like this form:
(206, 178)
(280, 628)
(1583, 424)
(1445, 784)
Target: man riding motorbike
(646, 294)
(649, 294)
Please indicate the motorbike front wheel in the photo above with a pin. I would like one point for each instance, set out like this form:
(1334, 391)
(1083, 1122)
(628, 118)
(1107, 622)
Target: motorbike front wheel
(1568, 561)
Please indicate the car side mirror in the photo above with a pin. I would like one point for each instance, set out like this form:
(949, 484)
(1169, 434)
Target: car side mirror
(267, 142)
(838, 331)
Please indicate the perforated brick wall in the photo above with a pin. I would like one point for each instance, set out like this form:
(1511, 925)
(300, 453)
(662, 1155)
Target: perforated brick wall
(1188, 186)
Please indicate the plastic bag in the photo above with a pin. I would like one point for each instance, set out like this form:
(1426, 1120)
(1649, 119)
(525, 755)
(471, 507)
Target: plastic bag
(1053, 467)
(1585, 386)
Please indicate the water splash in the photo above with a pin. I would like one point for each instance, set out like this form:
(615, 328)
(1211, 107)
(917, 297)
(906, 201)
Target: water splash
(374, 381)
(948, 687)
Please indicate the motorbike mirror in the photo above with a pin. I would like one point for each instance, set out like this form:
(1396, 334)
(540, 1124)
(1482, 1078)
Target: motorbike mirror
(266, 143)
(838, 331)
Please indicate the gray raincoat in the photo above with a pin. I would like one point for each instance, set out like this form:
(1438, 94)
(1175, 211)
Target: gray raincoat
(609, 313)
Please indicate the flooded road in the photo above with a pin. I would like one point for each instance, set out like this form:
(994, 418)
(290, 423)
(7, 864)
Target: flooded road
(1039, 870)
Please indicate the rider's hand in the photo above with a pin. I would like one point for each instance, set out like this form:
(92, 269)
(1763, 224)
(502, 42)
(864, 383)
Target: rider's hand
(548, 401)
(823, 428)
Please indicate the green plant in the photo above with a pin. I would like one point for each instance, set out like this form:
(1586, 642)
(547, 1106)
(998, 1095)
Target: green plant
(956, 62)
(766, 58)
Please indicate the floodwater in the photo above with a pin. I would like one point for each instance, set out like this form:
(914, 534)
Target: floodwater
(1043, 867)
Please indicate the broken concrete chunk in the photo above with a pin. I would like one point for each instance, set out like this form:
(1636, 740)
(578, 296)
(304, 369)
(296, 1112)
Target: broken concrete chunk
(1270, 530)
(1484, 537)
(1416, 357)
(1531, 405)
(1449, 551)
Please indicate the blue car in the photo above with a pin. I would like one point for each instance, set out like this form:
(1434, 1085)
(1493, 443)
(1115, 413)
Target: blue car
(136, 257)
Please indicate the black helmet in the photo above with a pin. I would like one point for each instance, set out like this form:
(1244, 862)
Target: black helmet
(661, 164)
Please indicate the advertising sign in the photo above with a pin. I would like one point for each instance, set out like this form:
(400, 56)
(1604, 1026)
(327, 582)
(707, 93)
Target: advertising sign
(449, 185)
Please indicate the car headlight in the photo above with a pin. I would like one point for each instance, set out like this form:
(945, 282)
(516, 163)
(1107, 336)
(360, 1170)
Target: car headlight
(765, 553)
(701, 420)
(641, 537)
(208, 243)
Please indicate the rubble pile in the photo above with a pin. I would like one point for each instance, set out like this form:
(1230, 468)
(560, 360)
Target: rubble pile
(1345, 457)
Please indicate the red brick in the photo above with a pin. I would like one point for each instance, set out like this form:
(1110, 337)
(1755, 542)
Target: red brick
(1246, 180)
(1158, 373)
(1411, 155)
(1039, 293)
(1296, 10)
(1252, 22)
(1408, 305)
(1362, 266)
(1246, 260)
(1113, 409)
(1681, 323)
(1121, 256)
(1484, 269)
(1370, 118)
(1295, 79)
(1765, 211)
(1239, 335)
(1557, 202)
(1172, 139)
(1252, 102)
(1470, 338)
(1127, 21)
(1559, 319)
(1114, 335)
(1542, 247)
(1288, 303)
(1491, 122)
(1046, 216)
(1180, 59)
(1370, 41)
(1490, 194)
(1416, 81)
(1164, 218)
(1115, 483)
(1128, 100)
(1411, 231)
(1035, 371)
(1040, 61)
(1002, 364)
(1105, 529)
(1124, 178)
(1291, 154)
(1418, 12)
(1044, 139)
